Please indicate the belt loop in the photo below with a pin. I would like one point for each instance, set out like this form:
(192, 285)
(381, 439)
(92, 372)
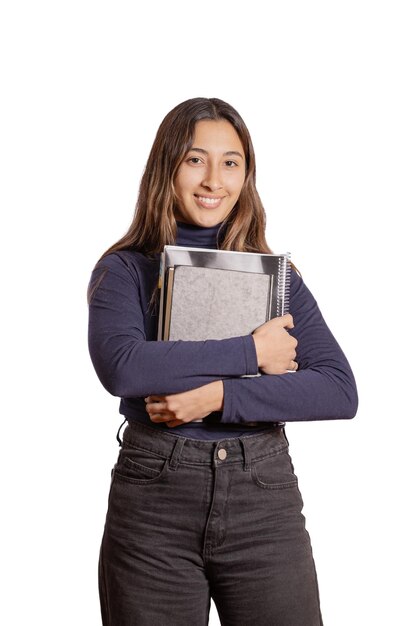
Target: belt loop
(246, 455)
(176, 453)
(118, 432)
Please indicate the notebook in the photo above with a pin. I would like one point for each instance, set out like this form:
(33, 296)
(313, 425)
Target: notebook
(216, 294)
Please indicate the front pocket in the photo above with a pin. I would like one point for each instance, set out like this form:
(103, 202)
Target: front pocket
(140, 466)
(274, 472)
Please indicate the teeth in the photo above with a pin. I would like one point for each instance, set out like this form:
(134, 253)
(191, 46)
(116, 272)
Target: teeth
(209, 200)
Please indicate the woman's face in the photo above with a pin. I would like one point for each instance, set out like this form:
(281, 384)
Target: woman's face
(211, 176)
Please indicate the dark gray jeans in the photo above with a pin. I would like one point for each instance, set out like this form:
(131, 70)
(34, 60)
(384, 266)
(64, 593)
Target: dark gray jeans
(190, 519)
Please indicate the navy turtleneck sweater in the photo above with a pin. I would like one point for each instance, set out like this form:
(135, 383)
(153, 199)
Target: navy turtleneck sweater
(132, 364)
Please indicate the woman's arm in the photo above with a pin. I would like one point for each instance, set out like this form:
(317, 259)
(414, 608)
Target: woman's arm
(181, 408)
(130, 366)
(322, 388)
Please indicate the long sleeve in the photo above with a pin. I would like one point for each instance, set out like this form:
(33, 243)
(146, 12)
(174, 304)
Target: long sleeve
(322, 388)
(127, 361)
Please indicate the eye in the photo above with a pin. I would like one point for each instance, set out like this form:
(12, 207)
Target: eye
(231, 164)
(194, 160)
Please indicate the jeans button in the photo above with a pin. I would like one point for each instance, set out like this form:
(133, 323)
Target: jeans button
(222, 454)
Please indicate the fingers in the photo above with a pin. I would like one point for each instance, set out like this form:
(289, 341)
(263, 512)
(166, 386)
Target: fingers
(154, 399)
(293, 366)
(158, 410)
(157, 418)
(161, 417)
(286, 321)
(155, 404)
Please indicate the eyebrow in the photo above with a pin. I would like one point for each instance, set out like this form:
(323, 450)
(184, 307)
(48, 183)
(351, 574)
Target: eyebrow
(228, 153)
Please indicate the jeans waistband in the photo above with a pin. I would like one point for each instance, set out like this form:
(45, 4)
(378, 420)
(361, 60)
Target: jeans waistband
(229, 450)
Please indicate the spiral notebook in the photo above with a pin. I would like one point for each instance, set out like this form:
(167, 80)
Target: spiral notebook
(217, 294)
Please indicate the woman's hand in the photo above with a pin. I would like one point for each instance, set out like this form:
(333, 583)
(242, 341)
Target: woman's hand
(275, 348)
(180, 408)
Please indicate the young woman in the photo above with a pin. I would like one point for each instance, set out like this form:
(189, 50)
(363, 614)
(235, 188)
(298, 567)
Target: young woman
(210, 508)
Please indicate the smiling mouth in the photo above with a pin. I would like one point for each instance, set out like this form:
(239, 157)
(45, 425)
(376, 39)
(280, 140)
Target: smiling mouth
(209, 202)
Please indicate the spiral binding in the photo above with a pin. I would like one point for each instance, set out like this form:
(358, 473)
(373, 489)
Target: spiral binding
(283, 284)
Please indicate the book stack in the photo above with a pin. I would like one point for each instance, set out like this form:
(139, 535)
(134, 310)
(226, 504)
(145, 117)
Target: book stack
(216, 294)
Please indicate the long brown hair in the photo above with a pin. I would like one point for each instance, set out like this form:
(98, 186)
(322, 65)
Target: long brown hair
(154, 224)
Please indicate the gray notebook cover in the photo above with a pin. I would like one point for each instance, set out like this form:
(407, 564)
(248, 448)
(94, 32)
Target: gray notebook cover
(210, 303)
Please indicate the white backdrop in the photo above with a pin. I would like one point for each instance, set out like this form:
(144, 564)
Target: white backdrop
(328, 91)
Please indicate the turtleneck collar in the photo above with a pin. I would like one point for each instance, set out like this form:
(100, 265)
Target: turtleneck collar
(198, 236)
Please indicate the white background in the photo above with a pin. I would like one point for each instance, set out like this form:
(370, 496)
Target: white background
(328, 91)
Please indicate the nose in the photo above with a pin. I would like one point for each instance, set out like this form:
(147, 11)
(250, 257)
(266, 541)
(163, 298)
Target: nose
(213, 178)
